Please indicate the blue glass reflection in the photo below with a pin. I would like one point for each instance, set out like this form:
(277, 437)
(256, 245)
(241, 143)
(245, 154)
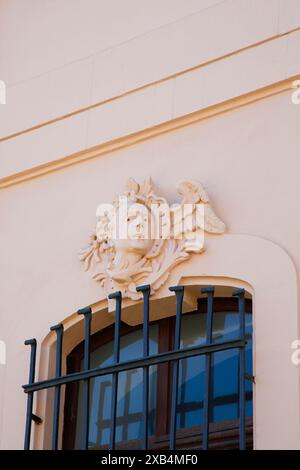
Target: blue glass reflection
(225, 368)
(129, 400)
(224, 374)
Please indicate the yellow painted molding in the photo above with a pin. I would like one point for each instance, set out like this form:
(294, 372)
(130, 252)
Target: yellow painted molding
(149, 133)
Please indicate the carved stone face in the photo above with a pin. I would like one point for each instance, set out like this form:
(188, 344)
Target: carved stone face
(138, 238)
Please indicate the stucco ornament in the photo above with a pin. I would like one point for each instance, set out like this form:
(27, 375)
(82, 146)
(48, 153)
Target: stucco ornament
(140, 238)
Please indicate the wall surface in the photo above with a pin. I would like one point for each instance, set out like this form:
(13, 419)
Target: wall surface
(99, 91)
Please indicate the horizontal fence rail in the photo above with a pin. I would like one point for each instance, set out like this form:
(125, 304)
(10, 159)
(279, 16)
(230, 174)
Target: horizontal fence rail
(144, 363)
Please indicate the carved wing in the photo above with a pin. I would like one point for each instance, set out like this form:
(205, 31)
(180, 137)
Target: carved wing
(195, 211)
(211, 222)
(192, 192)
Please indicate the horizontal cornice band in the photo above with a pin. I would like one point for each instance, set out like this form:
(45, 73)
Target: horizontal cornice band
(148, 133)
(144, 86)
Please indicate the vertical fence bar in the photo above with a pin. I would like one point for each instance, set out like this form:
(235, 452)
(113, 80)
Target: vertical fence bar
(179, 292)
(207, 385)
(240, 294)
(59, 330)
(114, 392)
(146, 294)
(32, 343)
(87, 313)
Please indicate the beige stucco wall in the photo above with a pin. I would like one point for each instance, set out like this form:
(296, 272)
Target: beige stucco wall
(197, 89)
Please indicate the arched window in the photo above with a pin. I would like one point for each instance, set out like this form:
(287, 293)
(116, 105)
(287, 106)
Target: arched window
(224, 427)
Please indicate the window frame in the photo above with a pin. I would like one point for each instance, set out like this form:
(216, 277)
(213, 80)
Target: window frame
(223, 435)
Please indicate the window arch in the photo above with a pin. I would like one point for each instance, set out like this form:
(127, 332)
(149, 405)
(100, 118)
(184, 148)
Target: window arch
(189, 420)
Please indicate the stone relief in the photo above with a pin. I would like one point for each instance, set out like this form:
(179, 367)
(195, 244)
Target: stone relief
(140, 238)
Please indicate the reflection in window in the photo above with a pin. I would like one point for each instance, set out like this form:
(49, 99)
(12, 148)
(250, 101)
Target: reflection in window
(224, 381)
(129, 405)
(224, 376)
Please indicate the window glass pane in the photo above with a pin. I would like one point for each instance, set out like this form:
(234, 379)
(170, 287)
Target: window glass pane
(224, 374)
(226, 369)
(191, 373)
(129, 404)
(191, 381)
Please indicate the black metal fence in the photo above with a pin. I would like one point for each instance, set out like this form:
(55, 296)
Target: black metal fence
(144, 362)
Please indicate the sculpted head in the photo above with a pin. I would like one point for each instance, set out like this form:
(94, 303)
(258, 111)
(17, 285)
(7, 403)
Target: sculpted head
(127, 228)
(137, 242)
